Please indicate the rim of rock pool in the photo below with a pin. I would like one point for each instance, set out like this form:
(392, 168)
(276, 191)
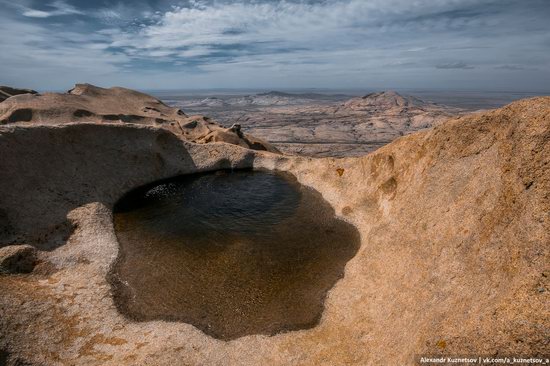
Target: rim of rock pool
(231, 252)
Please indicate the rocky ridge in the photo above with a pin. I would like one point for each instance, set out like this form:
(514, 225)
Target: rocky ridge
(272, 98)
(89, 103)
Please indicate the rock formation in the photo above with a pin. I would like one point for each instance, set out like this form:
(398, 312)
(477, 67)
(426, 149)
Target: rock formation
(454, 256)
(88, 103)
(7, 92)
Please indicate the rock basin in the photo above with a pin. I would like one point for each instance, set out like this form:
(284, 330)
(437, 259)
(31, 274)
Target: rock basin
(233, 253)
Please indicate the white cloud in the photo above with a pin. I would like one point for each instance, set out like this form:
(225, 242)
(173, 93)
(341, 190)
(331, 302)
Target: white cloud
(286, 41)
(292, 24)
(207, 31)
(34, 55)
(36, 13)
(58, 8)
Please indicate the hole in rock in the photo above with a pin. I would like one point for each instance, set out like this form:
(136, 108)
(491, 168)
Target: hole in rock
(232, 253)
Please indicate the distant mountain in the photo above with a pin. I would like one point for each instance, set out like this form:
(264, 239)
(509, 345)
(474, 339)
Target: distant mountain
(275, 93)
(271, 98)
(212, 102)
(404, 113)
(386, 100)
(310, 96)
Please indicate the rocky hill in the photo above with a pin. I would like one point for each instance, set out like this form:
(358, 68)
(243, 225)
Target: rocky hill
(454, 255)
(401, 112)
(385, 100)
(89, 103)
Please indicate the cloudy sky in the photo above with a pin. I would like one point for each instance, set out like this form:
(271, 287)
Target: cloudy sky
(161, 44)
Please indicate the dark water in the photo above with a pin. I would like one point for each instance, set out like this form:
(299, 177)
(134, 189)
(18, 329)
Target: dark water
(233, 254)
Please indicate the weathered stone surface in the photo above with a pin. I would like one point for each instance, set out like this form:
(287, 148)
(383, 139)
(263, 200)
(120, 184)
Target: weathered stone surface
(89, 103)
(454, 249)
(17, 259)
(54, 169)
(7, 92)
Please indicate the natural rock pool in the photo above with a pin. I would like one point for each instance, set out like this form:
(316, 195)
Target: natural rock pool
(232, 253)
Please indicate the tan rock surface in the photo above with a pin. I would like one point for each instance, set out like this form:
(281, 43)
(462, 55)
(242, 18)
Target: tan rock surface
(89, 103)
(454, 257)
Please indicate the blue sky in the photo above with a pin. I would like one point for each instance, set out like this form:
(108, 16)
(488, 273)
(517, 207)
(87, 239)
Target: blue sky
(159, 44)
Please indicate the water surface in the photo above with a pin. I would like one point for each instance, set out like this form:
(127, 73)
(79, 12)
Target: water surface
(233, 254)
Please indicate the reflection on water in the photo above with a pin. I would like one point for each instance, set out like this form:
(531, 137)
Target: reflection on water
(233, 254)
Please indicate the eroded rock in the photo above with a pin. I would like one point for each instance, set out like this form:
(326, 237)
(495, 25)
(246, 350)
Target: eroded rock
(7, 92)
(89, 103)
(17, 259)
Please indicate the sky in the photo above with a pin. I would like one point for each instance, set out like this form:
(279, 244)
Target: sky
(340, 44)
